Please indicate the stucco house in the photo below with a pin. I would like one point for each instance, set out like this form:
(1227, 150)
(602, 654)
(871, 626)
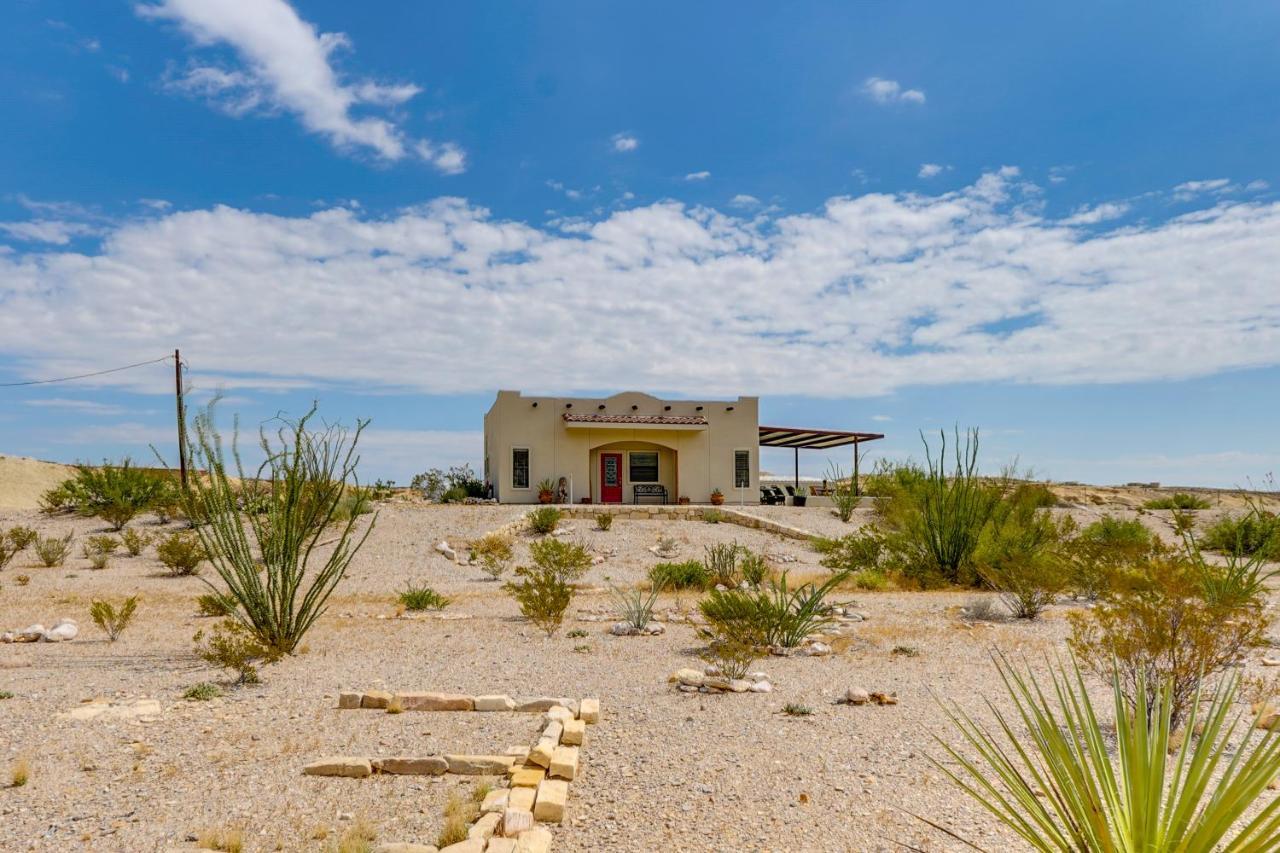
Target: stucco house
(633, 448)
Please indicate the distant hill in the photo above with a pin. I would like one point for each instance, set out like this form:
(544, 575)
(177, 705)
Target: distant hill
(23, 480)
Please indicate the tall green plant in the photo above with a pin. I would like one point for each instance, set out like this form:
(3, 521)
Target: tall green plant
(1063, 792)
(267, 556)
(115, 493)
(844, 493)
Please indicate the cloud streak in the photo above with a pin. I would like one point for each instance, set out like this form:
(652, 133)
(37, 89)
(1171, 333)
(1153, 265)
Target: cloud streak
(884, 91)
(862, 296)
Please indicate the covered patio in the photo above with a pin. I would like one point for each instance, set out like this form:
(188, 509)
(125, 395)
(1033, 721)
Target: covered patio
(816, 439)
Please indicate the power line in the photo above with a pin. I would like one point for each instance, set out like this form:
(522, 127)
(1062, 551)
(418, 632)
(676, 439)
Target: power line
(85, 375)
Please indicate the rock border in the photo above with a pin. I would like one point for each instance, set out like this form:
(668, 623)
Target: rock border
(535, 790)
(677, 512)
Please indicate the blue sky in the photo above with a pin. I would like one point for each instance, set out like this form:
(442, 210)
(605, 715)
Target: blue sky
(1058, 223)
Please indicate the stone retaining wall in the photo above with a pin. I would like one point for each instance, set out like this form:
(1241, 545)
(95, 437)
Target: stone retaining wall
(687, 512)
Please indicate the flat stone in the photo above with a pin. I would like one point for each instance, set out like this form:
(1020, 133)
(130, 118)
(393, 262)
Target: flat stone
(762, 687)
(857, 696)
(553, 731)
(498, 844)
(573, 733)
(560, 714)
(494, 801)
(471, 845)
(542, 752)
(485, 826)
(349, 766)
(543, 703)
(349, 699)
(739, 685)
(516, 821)
(375, 699)
(405, 847)
(564, 762)
(425, 701)
(427, 765)
(522, 798)
(527, 777)
(495, 703)
(520, 753)
(536, 840)
(589, 711)
(479, 765)
(549, 806)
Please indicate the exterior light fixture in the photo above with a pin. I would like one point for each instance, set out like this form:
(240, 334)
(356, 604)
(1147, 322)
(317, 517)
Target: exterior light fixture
(600, 407)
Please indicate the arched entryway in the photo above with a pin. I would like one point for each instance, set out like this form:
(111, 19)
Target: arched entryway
(619, 467)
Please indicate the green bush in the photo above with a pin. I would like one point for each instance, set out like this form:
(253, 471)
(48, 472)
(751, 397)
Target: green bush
(53, 551)
(233, 646)
(778, 616)
(1255, 532)
(691, 574)
(634, 607)
(543, 596)
(113, 622)
(862, 550)
(569, 560)
(753, 567)
(604, 520)
(21, 537)
(1178, 500)
(544, 519)
(98, 550)
(134, 542)
(712, 516)
(1020, 554)
(202, 692)
(265, 559)
(494, 553)
(182, 552)
(1101, 550)
(215, 604)
(721, 561)
(423, 597)
(733, 659)
(114, 493)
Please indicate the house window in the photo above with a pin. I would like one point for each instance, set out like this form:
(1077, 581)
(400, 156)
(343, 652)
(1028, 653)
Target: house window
(644, 467)
(742, 469)
(519, 467)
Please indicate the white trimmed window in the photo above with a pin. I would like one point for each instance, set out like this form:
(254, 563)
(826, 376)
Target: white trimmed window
(519, 467)
(643, 466)
(742, 469)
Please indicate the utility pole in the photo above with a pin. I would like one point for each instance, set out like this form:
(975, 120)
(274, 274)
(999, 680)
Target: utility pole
(182, 418)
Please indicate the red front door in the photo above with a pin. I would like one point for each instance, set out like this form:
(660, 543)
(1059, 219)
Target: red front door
(611, 478)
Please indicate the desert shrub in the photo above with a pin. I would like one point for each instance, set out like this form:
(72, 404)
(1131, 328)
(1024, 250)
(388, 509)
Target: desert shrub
(21, 537)
(890, 479)
(98, 550)
(872, 580)
(355, 501)
(453, 486)
(6, 694)
(1178, 500)
(1020, 555)
(604, 520)
(691, 574)
(116, 493)
(937, 522)
(634, 607)
(721, 562)
(62, 498)
(454, 495)
(796, 709)
(7, 552)
(569, 560)
(859, 551)
(202, 692)
(732, 657)
(1239, 581)
(543, 596)
(52, 550)
(223, 839)
(234, 647)
(266, 559)
(215, 604)
(494, 553)
(429, 483)
(544, 519)
(712, 516)
(134, 541)
(382, 490)
(19, 772)
(182, 552)
(111, 621)
(1155, 625)
(1254, 532)
(844, 493)
(1037, 495)
(423, 597)
(1063, 790)
(1100, 550)
(753, 567)
(982, 609)
(777, 616)
(22, 580)
(458, 815)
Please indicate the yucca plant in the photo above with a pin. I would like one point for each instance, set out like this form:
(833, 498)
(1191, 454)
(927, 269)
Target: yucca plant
(635, 607)
(1063, 792)
(265, 558)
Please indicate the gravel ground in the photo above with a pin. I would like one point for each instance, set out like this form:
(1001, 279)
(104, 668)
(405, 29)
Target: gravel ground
(663, 770)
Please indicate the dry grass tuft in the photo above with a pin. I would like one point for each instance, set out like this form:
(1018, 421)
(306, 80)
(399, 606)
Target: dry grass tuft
(20, 773)
(459, 813)
(227, 840)
(358, 838)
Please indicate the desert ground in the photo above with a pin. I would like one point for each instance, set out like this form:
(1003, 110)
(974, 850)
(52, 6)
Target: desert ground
(663, 770)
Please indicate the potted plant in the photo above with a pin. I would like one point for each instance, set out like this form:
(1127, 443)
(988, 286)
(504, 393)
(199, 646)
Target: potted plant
(717, 497)
(546, 491)
(683, 500)
(801, 496)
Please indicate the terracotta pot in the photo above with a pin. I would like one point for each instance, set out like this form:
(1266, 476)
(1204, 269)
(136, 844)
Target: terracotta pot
(717, 500)
(545, 497)
(683, 501)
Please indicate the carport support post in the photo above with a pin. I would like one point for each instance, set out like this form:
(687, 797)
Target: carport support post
(797, 450)
(856, 454)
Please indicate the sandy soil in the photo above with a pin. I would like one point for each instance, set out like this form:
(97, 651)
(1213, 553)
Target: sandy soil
(23, 480)
(663, 770)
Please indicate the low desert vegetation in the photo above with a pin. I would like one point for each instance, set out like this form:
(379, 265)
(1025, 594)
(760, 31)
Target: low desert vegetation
(52, 550)
(19, 772)
(459, 812)
(419, 596)
(116, 493)
(182, 552)
(98, 550)
(7, 552)
(544, 519)
(604, 520)
(452, 486)
(634, 607)
(544, 590)
(721, 562)
(134, 541)
(494, 554)
(227, 840)
(567, 559)
(844, 493)
(112, 620)
(232, 646)
(21, 537)
(215, 604)
(691, 574)
(202, 692)
(1178, 500)
(1254, 533)
(777, 615)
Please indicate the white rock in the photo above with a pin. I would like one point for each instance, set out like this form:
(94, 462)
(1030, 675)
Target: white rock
(762, 687)
(30, 634)
(656, 628)
(63, 629)
(442, 547)
(857, 696)
(622, 629)
(818, 650)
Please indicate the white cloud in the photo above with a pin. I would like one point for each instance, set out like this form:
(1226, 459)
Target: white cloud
(287, 67)
(881, 418)
(1257, 186)
(624, 142)
(884, 91)
(87, 407)
(1099, 213)
(1191, 189)
(384, 452)
(744, 200)
(931, 170)
(861, 296)
(697, 176)
(1058, 174)
(46, 230)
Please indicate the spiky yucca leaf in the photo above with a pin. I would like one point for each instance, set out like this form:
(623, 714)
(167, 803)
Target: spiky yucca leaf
(1062, 791)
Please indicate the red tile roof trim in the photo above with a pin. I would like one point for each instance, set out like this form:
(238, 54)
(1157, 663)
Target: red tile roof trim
(650, 420)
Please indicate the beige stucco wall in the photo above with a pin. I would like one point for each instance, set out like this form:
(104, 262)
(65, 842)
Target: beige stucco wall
(691, 462)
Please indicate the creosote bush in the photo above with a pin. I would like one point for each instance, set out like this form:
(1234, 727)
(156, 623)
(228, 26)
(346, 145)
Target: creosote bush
(110, 620)
(114, 493)
(52, 550)
(494, 554)
(182, 552)
(269, 560)
(232, 646)
(21, 537)
(544, 519)
(98, 550)
(732, 657)
(134, 541)
(1178, 500)
(567, 559)
(543, 595)
(691, 574)
(1256, 532)
(422, 597)
(1020, 554)
(1101, 550)
(215, 604)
